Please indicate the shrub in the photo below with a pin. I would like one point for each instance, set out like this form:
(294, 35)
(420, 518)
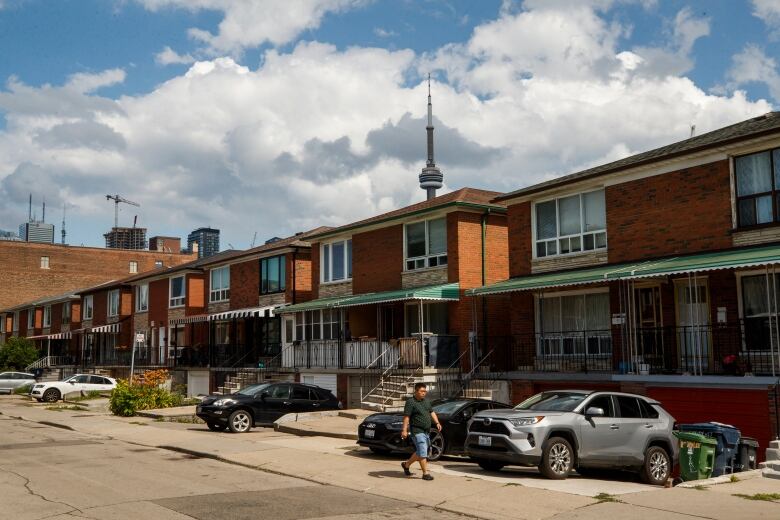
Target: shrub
(144, 393)
(23, 390)
(18, 353)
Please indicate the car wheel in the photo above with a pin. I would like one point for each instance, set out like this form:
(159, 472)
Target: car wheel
(240, 421)
(216, 426)
(490, 465)
(657, 466)
(52, 395)
(557, 458)
(379, 451)
(437, 445)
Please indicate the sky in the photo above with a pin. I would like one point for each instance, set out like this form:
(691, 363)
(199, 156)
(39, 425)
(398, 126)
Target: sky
(264, 118)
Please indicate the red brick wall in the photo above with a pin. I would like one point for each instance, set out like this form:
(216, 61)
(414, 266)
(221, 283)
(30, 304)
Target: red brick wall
(686, 211)
(75, 313)
(196, 294)
(377, 260)
(158, 302)
(99, 308)
(244, 284)
(56, 318)
(303, 276)
(315, 268)
(71, 268)
(520, 237)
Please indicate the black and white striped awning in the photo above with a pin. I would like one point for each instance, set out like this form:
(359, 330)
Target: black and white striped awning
(189, 319)
(106, 329)
(243, 313)
(61, 335)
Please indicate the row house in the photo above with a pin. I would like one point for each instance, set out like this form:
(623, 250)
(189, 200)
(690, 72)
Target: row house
(655, 273)
(388, 292)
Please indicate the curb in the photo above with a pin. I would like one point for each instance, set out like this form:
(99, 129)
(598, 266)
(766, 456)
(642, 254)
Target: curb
(282, 428)
(723, 479)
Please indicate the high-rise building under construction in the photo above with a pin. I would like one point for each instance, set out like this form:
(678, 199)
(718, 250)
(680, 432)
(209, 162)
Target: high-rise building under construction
(126, 238)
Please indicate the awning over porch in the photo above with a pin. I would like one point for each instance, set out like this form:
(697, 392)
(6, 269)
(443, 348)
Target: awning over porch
(731, 259)
(113, 328)
(227, 315)
(444, 292)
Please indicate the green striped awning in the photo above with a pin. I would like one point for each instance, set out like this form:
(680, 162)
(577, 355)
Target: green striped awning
(444, 292)
(731, 259)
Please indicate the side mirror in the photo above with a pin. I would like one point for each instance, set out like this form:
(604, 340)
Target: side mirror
(467, 414)
(263, 395)
(72, 382)
(594, 412)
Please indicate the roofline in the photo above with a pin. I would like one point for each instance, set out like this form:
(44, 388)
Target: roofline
(430, 209)
(565, 180)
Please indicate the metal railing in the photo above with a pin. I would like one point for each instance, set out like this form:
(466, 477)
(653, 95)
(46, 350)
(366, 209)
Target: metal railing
(49, 361)
(334, 353)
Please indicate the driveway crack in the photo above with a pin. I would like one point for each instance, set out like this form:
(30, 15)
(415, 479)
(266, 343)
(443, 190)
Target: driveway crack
(27, 486)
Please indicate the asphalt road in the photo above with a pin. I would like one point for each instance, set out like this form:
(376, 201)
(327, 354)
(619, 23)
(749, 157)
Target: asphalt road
(52, 473)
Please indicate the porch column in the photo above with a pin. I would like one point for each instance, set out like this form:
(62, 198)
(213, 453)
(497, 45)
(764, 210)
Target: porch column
(771, 332)
(422, 344)
(48, 347)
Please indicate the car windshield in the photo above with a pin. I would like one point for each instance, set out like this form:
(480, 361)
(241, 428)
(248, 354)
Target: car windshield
(447, 407)
(553, 401)
(253, 389)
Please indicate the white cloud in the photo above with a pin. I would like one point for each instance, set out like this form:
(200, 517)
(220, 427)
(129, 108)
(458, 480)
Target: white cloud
(769, 12)
(384, 33)
(317, 135)
(168, 56)
(90, 82)
(249, 23)
(752, 65)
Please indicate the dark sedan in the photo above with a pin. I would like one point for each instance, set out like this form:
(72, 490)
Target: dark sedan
(381, 432)
(263, 404)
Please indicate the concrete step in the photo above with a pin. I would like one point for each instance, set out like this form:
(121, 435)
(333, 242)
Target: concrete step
(772, 465)
(770, 473)
(774, 444)
(379, 408)
(773, 454)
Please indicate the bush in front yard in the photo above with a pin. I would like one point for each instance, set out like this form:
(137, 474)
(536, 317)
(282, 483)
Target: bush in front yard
(17, 353)
(144, 394)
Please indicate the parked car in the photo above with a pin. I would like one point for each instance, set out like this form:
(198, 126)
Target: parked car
(53, 391)
(381, 432)
(10, 381)
(559, 431)
(263, 404)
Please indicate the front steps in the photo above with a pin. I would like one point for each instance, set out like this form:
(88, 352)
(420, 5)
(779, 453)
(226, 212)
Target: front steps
(772, 465)
(392, 396)
(243, 378)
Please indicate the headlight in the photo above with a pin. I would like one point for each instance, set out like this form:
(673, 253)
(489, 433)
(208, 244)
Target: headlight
(224, 402)
(526, 421)
(396, 426)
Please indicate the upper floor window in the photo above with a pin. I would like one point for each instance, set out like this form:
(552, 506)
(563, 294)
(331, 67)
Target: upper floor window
(158, 263)
(30, 318)
(133, 267)
(87, 308)
(336, 260)
(142, 298)
(426, 244)
(757, 180)
(113, 303)
(2, 324)
(571, 224)
(66, 312)
(44, 262)
(177, 292)
(47, 316)
(220, 284)
(273, 274)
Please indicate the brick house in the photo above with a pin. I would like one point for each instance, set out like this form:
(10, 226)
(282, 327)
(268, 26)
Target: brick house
(654, 274)
(377, 284)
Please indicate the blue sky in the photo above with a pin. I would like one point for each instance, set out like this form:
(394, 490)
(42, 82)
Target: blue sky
(258, 116)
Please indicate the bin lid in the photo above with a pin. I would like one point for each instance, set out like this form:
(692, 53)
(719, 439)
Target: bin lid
(749, 441)
(729, 433)
(695, 437)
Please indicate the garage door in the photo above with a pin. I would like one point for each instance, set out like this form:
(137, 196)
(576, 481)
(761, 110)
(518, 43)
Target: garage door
(197, 382)
(327, 381)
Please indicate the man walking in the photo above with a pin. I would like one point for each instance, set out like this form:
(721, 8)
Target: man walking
(418, 415)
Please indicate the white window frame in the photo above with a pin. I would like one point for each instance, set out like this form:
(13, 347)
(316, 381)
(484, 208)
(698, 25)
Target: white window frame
(114, 299)
(348, 260)
(558, 239)
(47, 316)
(45, 262)
(561, 336)
(139, 291)
(425, 261)
(67, 310)
(334, 319)
(30, 318)
(179, 301)
(221, 293)
(87, 307)
(133, 267)
(15, 324)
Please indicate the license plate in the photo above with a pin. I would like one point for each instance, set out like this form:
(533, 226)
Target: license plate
(485, 441)
(198, 409)
(370, 434)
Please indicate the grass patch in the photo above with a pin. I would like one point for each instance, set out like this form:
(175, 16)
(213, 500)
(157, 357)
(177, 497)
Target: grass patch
(89, 396)
(734, 478)
(138, 423)
(23, 390)
(61, 408)
(766, 497)
(700, 487)
(184, 420)
(606, 497)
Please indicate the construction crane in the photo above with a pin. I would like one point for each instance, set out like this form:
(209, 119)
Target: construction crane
(117, 199)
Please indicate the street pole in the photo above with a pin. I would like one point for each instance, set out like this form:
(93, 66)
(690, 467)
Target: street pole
(132, 361)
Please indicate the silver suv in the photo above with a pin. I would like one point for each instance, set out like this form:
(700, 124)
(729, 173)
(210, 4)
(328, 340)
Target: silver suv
(562, 430)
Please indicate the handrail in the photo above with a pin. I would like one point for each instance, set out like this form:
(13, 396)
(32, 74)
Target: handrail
(381, 376)
(45, 362)
(388, 370)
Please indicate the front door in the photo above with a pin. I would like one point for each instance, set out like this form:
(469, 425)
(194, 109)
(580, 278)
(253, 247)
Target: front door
(649, 324)
(693, 324)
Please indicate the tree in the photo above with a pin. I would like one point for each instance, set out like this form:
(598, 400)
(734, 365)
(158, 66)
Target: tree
(18, 353)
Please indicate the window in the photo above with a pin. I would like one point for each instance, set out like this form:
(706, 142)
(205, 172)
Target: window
(66, 312)
(757, 181)
(574, 325)
(2, 324)
(220, 284)
(113, 303)
(158, 263)
(44, 262)
(30, 319)
(648, 410)
(336, 261)
(301, 393)
(86, 308)
(47, 316)
(273, 274)
(426, 244)
(177, 292)
(319, 325)
(629, 407)
(571, 224)
(16, 322)
(279, 392)
(434, 318)
(604, 402)
(142, 298)
(222, 333)
(756, 310)
(133, 267)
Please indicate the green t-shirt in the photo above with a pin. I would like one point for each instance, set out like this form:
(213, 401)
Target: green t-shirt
(419, 414)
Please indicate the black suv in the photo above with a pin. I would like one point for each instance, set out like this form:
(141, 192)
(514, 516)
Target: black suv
(263, 404)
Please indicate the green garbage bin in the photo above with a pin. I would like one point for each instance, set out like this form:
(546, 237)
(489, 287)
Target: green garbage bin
(697, 455)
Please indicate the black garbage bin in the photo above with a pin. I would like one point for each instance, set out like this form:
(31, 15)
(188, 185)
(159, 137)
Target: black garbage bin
(747, 454)
(728, 441)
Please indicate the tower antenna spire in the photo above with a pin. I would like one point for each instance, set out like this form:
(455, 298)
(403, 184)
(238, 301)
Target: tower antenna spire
(431, 177)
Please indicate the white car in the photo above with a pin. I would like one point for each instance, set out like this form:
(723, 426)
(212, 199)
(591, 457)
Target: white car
(53, 391)
(10, 381)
